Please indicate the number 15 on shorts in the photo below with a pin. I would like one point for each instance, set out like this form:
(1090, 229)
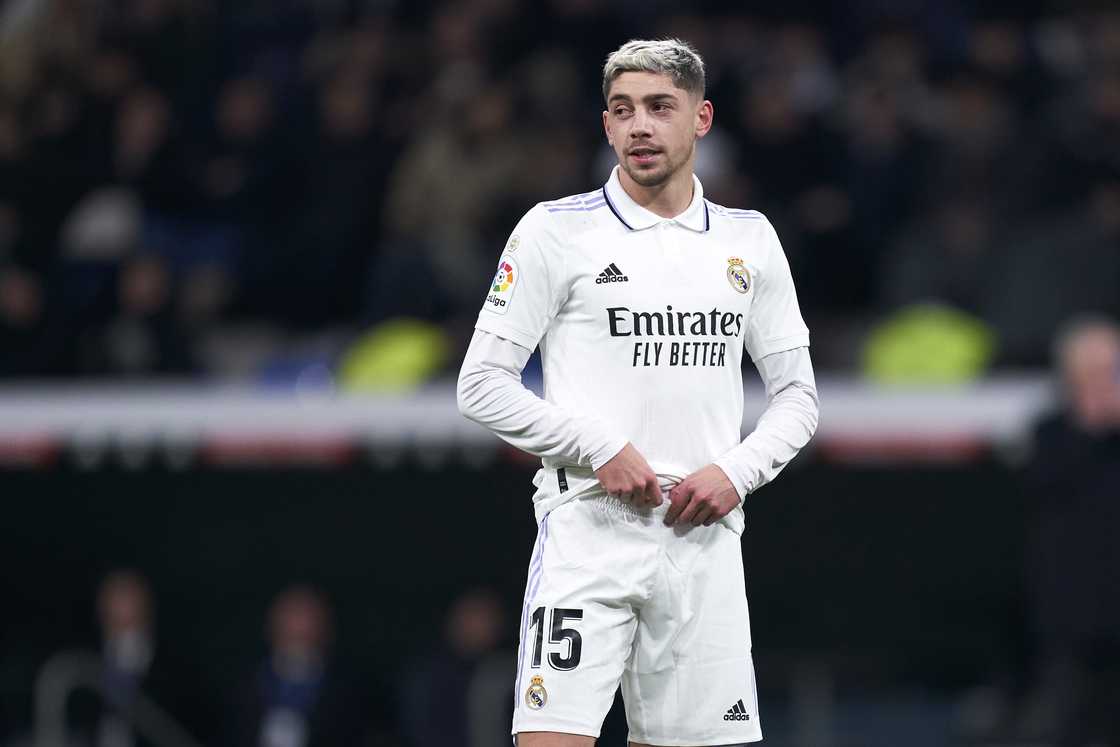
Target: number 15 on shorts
(565, 644)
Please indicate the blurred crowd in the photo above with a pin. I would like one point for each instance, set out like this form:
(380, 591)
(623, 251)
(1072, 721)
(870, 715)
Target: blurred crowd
(231, 189)
(133, 692)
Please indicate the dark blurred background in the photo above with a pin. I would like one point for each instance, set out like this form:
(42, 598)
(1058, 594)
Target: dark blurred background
(242, 247)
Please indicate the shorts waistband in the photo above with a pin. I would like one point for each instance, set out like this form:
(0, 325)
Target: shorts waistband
(614, 505)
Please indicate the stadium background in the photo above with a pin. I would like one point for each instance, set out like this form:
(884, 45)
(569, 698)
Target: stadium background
(241, 250)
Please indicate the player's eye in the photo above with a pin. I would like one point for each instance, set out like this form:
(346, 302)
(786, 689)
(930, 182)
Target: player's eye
(621, 111)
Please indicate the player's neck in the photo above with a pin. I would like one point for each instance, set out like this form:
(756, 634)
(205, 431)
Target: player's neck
(667, 200)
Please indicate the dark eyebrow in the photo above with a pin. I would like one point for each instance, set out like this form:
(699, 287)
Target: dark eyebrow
(649, 99)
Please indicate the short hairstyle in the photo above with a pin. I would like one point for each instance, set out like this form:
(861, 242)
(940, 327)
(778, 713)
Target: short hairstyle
(671, 57)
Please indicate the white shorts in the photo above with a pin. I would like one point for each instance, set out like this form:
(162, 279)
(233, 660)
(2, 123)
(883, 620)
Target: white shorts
(616, 596)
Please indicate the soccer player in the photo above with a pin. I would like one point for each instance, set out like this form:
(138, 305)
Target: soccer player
(642, 297)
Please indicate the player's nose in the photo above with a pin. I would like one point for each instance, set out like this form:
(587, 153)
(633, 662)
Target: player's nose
(640, 124)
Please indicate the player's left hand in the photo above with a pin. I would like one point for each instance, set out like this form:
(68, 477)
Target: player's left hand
(704, 497)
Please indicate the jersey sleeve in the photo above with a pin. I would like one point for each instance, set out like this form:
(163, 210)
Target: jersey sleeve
(527, 289)
(774, 323)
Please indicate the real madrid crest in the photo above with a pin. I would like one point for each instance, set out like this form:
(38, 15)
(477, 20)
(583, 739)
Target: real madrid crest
(536, 696)
(737, 275)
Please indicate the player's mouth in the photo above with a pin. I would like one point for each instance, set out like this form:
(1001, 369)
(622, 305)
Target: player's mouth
(643, 155)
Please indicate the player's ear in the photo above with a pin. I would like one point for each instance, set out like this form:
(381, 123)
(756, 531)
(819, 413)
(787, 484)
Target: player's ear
(704, 116)
(607, 127)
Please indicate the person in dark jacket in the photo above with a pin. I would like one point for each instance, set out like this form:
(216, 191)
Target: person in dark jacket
(1074, 564)
(298, 698)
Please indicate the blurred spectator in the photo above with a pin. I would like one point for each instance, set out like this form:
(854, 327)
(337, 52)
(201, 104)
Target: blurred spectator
(130, 666)
(299, 698)
(1074, 559)
(143, 143)
(21, 321)
(124, 607)
(465, 680)
(144, 335)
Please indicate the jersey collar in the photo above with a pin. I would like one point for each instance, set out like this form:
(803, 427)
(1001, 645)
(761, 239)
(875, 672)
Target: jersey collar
(637, 218)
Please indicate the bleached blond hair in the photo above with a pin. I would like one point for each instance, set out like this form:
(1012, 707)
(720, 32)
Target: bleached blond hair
(671, 57)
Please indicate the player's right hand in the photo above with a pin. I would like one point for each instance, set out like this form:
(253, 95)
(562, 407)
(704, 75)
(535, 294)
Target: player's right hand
(629, 477)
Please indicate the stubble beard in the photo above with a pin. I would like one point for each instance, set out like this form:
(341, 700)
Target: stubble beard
(655, 177)
(651, 177)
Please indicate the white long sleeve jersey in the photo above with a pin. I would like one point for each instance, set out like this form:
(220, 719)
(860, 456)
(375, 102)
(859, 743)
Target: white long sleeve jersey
(641, 322)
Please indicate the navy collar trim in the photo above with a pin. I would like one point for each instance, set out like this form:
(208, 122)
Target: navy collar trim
(615, 210)
(617, 214)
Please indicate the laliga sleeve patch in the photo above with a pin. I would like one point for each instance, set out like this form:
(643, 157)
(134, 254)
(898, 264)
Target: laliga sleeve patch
(501, 288)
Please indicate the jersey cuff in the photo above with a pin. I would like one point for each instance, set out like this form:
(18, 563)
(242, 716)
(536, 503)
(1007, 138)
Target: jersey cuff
(740, 485)
(608, 452)
(780, 345)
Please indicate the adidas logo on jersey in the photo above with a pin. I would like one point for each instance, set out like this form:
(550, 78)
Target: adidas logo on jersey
(611, 275)
(737, 712)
